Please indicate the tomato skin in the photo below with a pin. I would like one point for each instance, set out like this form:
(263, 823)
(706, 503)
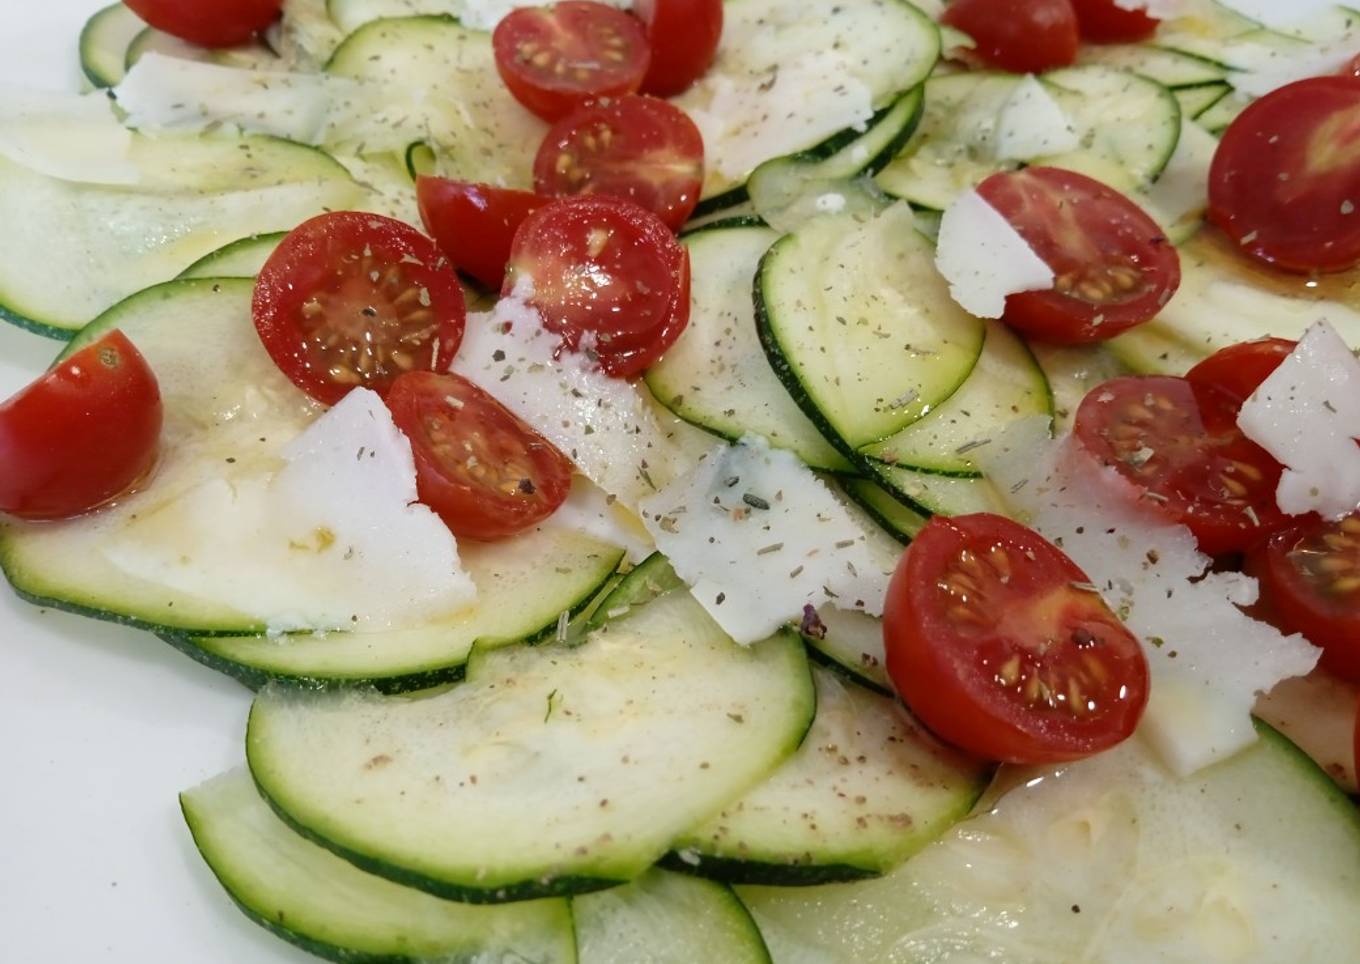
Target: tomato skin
(1285, 181)
(684, 35)
(1103, 22)
(81, 435)
(602, 52)
(1020, 36)
(1115, 268)
(350, 299)
(1238, 370)
(474, 224)
(485, 472)
(209, 23)
(975, 678)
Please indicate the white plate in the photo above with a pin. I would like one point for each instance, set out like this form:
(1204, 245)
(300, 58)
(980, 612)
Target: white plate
(101, 727)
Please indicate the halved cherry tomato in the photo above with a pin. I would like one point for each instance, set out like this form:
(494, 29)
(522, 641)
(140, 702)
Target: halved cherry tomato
(82, 434)
(684, 36)
(557, 58)
(352, 299)
(1310, 584)
(1022, 36)
(608, 276)
(474, 224)
(1238, 370)
(209, 23)
(995, 642)
(1105, 22)
(1285, 182)
(479, 466)
(1115, 268)
(1181, 451)
(641, 149)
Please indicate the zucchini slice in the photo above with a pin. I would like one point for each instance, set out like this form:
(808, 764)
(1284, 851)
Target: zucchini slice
(894, 516)
(551, 771)
(1170, 68)
(240, 259)
(1196, 101)
(314, 899)
(851, 644)
(104, 43)
(932, 494)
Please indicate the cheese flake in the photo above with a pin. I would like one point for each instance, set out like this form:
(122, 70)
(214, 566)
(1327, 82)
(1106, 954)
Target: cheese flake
(1031, 123)
(984, 259)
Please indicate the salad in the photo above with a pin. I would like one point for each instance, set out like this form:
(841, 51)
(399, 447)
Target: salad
(749, 481)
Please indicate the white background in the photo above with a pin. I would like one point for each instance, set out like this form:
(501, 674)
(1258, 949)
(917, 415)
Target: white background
(101, 727)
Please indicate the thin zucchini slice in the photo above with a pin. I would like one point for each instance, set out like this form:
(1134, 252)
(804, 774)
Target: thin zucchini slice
(350, 15)
(1222, 112)
(1195, 101)
(1170, 68)
(251, 56)
(650, 579)
(104, 43)
(314, 899)
(666, 918)
(851, 643)
(1154, 349)
(1072, 371)
(894, 516)
(240, 259)
(935, 494)
(553, 770)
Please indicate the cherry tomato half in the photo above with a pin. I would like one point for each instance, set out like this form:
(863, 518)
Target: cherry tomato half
(608, 276)
(684, 35)
(1178, 450)
(1021, 36)
(994, 646)
(1310, 584)
(1105, 22)
(352, 299)
(209, 23)
(82, 434)
(641, 149)
(557, 58)
(1285, 182)
(474, 224)
(1237, 371)
(1115, 268)
(484, 471)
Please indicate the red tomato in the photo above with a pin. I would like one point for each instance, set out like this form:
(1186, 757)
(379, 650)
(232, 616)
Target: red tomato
(684, 36)
(1104, 22)
(474, 224)
(1115, 268)
(993, 644)
(1352, 68)
(1178, 449)
(608, 276)
(1022, 36)
(82, 434)
(1238, 370)
(352, 299)
(1310, 584)
(1285, 182)
(641, 149)
(209, 23)
(557, 58)
(484, 471)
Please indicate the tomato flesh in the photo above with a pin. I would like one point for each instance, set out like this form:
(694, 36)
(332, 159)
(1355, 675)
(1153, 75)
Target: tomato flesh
(1103, 22)
(81, 435)
(1114, 267)
(474, 224)
(557, 58)
(485, 472)
(1237, 371)
(209, 23)
(1285, 182)
(351, 299)
(1020, 36)
(640, 149)
(1181, 451)
(996, 642)
(684, 35)
(608, 276)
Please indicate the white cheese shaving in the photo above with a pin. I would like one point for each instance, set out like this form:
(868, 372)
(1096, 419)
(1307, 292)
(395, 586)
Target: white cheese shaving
(758, 536)
(1209, 660)
(71, 137)
(984, 259)
(1307, 415)
(1032, 124)
(589, 511)
(830, 203)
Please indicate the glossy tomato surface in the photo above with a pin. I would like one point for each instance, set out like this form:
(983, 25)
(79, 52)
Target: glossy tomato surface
(209, 23)
(1238, 370)
(608, 276)
(1285, 182)
(1105, 22)
(1021, 36)
(479, 466)
(560, 57)
(82, 434)
(995, 642)
(351, 299)
(684, 35)
(474, 224)
(641, 149)
(1114, 267)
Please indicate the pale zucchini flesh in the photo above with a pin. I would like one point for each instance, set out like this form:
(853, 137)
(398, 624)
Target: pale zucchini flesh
(894, 516)
(239, 259)
(104, 43)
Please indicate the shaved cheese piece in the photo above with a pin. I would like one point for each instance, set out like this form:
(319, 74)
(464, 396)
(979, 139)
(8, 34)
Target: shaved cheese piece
(758, 536)
(71, 137)
(1032, 124)
(588, 510)
(984, 259)
(1307, 415)
(1209, 660)
(334, 540)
